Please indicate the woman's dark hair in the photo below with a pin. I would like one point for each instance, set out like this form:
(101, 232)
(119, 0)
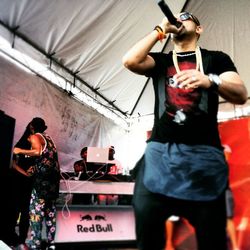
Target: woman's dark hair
(38, 125)
(23, 141)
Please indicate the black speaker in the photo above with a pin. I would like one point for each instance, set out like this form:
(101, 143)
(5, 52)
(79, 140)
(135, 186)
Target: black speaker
(7, 128)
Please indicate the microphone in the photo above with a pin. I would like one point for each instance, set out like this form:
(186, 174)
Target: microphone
(168, 13)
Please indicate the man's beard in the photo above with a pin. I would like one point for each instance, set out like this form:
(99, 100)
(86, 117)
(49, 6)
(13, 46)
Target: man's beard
(181, 36)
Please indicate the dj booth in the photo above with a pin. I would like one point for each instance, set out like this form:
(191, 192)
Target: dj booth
(95, 224)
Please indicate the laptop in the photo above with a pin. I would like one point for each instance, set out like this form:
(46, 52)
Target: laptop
(98, 155)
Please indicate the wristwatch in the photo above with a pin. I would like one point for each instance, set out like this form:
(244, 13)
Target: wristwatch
(215, 80)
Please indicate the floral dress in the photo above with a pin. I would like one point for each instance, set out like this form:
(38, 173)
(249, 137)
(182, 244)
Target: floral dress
(44, 194)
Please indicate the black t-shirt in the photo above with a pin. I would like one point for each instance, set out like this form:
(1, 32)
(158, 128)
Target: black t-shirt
(186, 116)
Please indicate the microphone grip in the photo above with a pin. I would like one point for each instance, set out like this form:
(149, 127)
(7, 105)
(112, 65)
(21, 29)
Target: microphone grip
(168, 13)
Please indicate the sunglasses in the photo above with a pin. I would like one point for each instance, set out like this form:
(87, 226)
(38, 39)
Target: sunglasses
(189, 16)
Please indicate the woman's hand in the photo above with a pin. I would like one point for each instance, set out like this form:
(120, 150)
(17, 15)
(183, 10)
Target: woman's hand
(30, 171)
(17, 151)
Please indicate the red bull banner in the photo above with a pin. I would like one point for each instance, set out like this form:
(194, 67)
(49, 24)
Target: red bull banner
(87, 224)
(235, 137)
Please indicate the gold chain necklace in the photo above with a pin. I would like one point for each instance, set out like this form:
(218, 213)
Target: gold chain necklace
(184, 55)
(199, 64)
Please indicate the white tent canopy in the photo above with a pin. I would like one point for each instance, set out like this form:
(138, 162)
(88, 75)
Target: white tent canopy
(84, 41)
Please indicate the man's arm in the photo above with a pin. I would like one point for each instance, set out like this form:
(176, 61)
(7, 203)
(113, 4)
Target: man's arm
(137, 59)
(232, 88)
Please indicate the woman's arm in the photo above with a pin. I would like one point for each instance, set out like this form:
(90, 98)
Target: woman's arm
(19, 169)
(36, 147)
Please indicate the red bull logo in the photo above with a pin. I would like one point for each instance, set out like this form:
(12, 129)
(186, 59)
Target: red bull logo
(94, 228)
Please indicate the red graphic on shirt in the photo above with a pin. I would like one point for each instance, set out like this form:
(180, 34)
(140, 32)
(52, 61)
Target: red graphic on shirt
(186, 100)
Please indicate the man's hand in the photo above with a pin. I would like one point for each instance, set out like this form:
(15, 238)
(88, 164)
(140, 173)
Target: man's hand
(191, 79)
(167, 27)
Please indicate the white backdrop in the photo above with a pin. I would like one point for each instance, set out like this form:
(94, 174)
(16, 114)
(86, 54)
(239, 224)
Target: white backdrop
(71, 124)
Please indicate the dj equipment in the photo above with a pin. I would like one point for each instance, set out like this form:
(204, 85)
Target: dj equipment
(96, 187)
(98, 155)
